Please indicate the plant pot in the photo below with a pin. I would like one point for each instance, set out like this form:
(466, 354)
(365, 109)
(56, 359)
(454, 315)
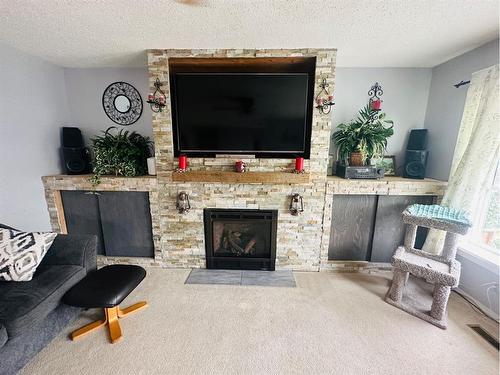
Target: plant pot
(356, 159)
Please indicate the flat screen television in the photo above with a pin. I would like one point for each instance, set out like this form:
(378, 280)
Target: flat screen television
(262, 114)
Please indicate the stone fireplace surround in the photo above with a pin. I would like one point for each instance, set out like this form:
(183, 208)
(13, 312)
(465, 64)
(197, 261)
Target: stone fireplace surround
(299, 238)
(302, 241)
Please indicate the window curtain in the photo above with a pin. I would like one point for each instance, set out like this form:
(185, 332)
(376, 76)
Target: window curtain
(477, 149)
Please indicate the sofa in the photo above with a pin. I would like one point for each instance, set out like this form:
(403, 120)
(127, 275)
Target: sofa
(31, 312)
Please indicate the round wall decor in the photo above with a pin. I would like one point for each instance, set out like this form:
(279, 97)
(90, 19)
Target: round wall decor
(122, 103)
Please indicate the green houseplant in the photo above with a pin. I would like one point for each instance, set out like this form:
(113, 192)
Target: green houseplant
(120, 153)
(363, 138)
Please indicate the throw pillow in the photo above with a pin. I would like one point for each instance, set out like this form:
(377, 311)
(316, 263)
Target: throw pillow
(21, 253)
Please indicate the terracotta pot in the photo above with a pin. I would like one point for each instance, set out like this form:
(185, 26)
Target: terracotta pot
(356, 159)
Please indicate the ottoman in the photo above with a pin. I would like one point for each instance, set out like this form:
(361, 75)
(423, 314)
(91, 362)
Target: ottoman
(106, 288)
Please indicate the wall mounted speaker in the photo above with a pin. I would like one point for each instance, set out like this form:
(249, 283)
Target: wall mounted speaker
(76, 158)
(72, 137)
(417, 140)
(415, 163)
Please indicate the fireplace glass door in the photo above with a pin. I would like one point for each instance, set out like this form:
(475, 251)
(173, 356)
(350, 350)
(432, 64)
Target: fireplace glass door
(241, 239)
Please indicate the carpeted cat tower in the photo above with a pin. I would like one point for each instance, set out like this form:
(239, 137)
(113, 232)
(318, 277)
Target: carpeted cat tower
(442, 272)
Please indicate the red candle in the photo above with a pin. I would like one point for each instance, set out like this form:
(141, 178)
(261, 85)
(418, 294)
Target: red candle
(376, 104)
(299, 164)
(182, 162)
(151, 97)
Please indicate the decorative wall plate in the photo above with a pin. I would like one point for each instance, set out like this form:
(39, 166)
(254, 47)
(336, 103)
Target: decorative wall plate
(122, 103)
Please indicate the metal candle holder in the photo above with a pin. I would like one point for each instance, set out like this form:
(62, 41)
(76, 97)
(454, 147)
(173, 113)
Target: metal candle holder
(324, 99)
(159, 98)
(375, 93)
(183, 205)
(296, 204)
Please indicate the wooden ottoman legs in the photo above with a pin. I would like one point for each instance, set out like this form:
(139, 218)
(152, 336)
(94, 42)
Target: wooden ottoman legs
(111, 314)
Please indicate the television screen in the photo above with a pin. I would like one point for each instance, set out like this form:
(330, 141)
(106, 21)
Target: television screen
(265, 114)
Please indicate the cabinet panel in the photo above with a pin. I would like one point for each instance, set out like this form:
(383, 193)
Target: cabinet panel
(81, 211)
(389, 228)
(126, 224)
(352, 227)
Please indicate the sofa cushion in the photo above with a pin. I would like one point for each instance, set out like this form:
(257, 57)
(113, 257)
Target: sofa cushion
(22, 252)
(24, 305)
(3, 335)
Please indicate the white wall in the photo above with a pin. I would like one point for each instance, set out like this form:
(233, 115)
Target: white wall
(404, 100)
(33, 107)
(446, 105)
(85, 88)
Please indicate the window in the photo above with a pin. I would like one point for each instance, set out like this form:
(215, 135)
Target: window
(485, 235)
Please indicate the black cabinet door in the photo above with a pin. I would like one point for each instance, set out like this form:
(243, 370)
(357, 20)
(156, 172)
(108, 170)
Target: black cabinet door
(81, 211)
(352, 227)
(389, 228)
(126, 223)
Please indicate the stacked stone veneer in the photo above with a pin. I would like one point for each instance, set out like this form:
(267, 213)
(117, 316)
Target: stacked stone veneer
(302, 241)
(299, 238)
(54, 184)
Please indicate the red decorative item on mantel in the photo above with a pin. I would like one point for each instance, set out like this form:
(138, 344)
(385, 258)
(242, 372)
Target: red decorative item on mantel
(182, 163)
(240, 166)
(299, 165)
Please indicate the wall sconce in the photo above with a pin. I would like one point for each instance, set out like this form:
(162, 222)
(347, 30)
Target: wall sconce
(296, 204)
(183, 204)
(375, 93)
(324, 99)
(158, 99)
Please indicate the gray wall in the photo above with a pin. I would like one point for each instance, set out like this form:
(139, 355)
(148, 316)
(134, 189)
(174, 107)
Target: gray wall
(478, 281)
(446, 104)
(444, 113)
(33, 107)
(85, 88)
(404, 100)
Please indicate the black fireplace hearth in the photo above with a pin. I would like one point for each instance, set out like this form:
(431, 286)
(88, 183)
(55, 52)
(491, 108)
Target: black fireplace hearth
(240, 239)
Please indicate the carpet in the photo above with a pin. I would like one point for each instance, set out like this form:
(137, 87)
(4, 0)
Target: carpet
(331, 323)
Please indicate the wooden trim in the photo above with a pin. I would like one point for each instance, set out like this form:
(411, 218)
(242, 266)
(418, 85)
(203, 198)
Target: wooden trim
(246, 177)
(61, 219)
(242, 64)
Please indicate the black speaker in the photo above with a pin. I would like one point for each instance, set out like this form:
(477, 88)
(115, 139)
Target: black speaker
(76, 160)
(76, 157)
(417, 140)
(415, 163)
(72, 137)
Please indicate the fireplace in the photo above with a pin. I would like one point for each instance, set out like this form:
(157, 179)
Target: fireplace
(240, 239)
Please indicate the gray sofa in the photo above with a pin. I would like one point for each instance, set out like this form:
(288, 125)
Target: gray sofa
(31, 313)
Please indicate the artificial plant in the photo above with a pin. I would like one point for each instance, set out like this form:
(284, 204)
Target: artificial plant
(120, 153)
(367, 134)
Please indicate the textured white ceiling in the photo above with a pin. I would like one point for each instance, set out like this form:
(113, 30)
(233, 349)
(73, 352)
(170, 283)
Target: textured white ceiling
(374, 33)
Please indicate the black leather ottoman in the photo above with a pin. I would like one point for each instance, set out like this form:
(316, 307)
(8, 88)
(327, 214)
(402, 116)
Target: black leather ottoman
(106, 288)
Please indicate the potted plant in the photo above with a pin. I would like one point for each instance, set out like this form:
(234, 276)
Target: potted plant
(120, 153)
(363, 138)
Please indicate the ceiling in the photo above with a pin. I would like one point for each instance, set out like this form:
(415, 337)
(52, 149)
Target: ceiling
(374, 33)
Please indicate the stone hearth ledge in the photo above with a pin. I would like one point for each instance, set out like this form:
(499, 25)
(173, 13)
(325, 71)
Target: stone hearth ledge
(53, 185)
(224, 192)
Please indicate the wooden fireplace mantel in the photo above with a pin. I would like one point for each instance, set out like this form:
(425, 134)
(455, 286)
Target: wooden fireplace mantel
(246, 177)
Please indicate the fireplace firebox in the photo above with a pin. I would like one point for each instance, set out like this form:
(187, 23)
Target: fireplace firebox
(240, 239)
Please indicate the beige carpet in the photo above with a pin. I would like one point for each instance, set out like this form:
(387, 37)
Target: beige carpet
(329, 324)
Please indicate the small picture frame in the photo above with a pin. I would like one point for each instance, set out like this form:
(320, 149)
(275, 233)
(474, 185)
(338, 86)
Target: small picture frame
(388, 162)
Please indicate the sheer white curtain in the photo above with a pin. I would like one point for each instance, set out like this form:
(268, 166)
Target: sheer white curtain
(477, 149)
